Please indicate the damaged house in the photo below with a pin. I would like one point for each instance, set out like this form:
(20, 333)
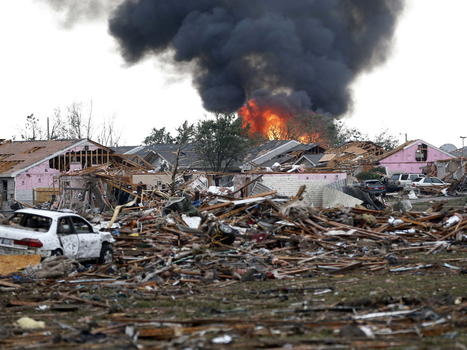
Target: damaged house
(412, 157)
(352, 157)
(282, 153)
(29, 169)
(164, 156)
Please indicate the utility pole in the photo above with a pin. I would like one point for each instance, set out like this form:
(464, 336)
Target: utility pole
(463, 138)
(463, 153)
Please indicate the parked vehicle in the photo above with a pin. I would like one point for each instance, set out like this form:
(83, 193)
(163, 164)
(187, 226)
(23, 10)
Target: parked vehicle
(373, 186)
(405, 180)
(428, 182)
(44, 232)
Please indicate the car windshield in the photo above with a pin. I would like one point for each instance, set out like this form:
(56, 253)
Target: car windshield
(373, 182)
(35, 222)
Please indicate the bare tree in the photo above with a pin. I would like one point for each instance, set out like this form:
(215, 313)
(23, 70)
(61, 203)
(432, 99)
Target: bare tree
(78, 128)
(32, 130)
(76, 123)
(108, 135)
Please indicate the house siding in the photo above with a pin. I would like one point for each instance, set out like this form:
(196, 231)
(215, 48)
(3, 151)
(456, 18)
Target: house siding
(36, 177)
(404, 161)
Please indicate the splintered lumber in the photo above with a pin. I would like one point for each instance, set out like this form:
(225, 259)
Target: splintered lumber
(89, 302)
(232, 212)
(264, 194)
(300, 192)
(216, 206)
(247, 184)
(117, 210)
(415, 222)
(4, 283)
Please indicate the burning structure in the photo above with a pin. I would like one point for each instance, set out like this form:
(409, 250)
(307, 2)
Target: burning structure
(277, 122)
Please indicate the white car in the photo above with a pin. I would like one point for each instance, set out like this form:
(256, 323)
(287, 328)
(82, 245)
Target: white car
(45, 232)
(428, 182)
(405, 180)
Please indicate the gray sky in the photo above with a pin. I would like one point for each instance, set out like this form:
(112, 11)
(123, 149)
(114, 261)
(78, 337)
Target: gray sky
(420, 91)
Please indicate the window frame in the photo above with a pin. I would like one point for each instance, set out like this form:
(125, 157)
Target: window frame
(72, 218)
(72, 230)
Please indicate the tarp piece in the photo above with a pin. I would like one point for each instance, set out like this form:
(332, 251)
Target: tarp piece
(14, 263)
(333, 198)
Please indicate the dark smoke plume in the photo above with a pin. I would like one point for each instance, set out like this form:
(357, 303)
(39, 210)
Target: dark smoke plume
(310, 50)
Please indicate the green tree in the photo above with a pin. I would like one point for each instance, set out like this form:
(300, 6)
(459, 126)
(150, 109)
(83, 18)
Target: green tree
(221, 141)
(185, 133)
(386, 140)
(159, 136)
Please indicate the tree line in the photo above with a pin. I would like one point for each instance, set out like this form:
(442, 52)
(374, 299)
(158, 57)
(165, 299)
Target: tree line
(220, 140)
(74, 122)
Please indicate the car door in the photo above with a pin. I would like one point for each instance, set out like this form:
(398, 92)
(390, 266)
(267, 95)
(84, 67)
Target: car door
(427, 182)
(67, 237)
(436, 182)
(89, 241)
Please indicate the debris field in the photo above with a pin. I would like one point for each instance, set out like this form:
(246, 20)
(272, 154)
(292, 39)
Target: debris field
(250, 273)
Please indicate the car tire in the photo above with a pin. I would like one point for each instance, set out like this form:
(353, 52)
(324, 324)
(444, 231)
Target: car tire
(56, 252)
(106, 255)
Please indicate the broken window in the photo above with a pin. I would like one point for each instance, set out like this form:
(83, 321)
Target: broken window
(80, 225)
(421, 155)
(35, 222)
(64, 226)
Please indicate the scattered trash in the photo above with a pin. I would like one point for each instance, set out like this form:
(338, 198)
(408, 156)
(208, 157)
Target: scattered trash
(29, 323)
(224, 339)
(53, 267)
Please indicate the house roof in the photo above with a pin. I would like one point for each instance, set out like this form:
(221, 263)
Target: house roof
(292, 154)
(18, 156)
(188, 158)
(311, 158)
(123, 149)
(263, 149)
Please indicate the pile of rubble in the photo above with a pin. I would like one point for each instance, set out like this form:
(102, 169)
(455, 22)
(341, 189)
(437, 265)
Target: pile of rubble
(197, 243)
(271, 237)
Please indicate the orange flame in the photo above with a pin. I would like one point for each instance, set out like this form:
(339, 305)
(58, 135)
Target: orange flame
(274, 124)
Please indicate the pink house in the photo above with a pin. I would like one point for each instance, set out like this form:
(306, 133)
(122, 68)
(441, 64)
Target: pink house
(412, 157)
(29, 169)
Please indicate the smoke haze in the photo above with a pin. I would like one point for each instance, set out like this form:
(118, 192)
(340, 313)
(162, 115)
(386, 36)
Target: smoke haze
(74, 11)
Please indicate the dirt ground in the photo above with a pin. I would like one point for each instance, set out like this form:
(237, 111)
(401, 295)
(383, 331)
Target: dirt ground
(416, 309)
